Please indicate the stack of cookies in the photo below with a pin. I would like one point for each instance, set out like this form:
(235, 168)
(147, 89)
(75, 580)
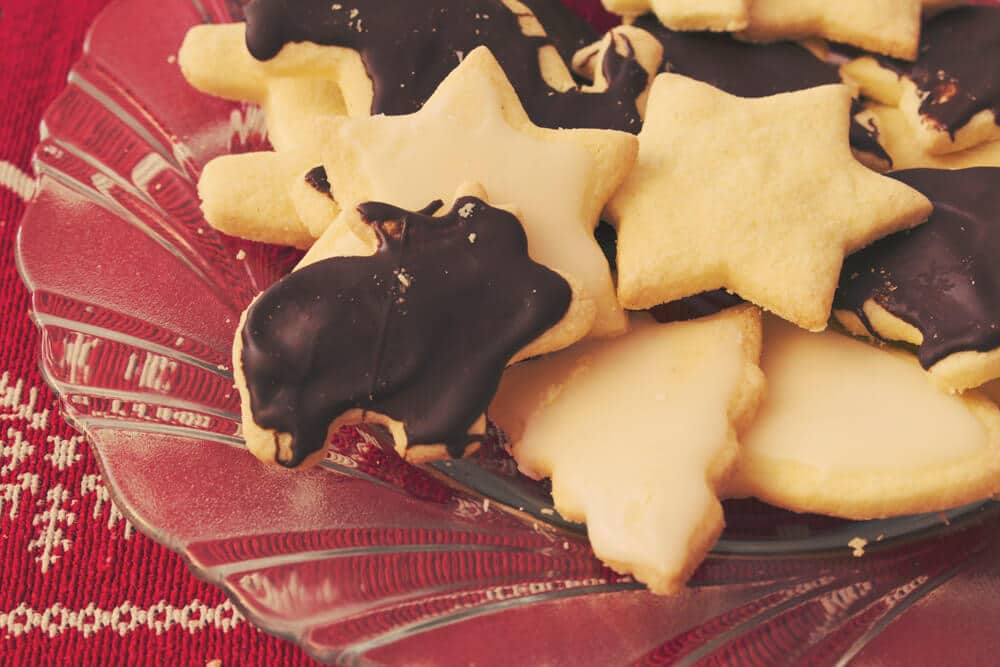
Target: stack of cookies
(771, 316)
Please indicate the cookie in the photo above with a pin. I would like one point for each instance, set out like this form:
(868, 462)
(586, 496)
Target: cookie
(715, 15)
(474, 128)
(293, 78)
(637, 434)
(895, 133)
(950, 94)
(413, 337)
(936, 286)
(762, 197)
(891, 27)
(755, 70)
(850, 430)
(266, 196)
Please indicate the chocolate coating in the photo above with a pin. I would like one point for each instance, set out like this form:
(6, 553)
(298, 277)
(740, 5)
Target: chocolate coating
(956, 67)
(751, 70)
(317, 179)
(568, 31)
(408, 48)
(420, 331)
(694, 307)
(940, 277)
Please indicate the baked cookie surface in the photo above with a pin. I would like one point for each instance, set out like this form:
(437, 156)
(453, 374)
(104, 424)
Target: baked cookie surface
(637, 434)
(850, 430)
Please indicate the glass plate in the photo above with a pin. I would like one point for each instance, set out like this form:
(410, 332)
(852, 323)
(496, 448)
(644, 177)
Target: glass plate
(365, 560)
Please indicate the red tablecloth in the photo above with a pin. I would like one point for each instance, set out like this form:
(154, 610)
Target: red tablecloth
(78, 586)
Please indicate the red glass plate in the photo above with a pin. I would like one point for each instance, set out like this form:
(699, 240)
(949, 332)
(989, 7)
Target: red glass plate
(365, 560)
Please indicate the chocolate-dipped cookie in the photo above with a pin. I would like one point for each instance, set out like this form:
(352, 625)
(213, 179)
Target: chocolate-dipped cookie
(951, 93)
(936, 286)
(414, 336)
(407, 50)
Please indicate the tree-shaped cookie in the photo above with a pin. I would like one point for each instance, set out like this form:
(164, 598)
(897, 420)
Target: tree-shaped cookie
(638, 434)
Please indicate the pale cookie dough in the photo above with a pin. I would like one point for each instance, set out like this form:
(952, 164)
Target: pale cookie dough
(760, 196)
(265, 197)
(637, 434)
(850, 430)
(304, 81)
(895, 133)
(715, 15)
(474, 128)
(304, 353)
(891, 27)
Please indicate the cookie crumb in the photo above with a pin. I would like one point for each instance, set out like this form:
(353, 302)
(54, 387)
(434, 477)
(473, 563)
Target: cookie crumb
(214, 663)
(467, 210)
(171, 59)
(858, 545)
(241, 255)
(548, 511)
(486, 504)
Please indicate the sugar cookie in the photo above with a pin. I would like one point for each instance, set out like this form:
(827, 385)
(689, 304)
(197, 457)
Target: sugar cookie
(760, 196)
(637, 433)
(891, 27)
(715, 15)
(936, 286)
(473, 128)
(849, 430)
(414, 336)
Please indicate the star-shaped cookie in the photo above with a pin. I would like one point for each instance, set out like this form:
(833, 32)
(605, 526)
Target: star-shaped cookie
(759, 196)
(718, 15)
(474, 129)
(891, 27)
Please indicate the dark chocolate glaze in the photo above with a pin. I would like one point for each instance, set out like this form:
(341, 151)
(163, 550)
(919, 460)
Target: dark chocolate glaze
(751, 70)
(864, 136)
(420, 331)
(940, 277)
(956, 67)
(408, 48)
(694, 307)
(316, 177)
(568, 31)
